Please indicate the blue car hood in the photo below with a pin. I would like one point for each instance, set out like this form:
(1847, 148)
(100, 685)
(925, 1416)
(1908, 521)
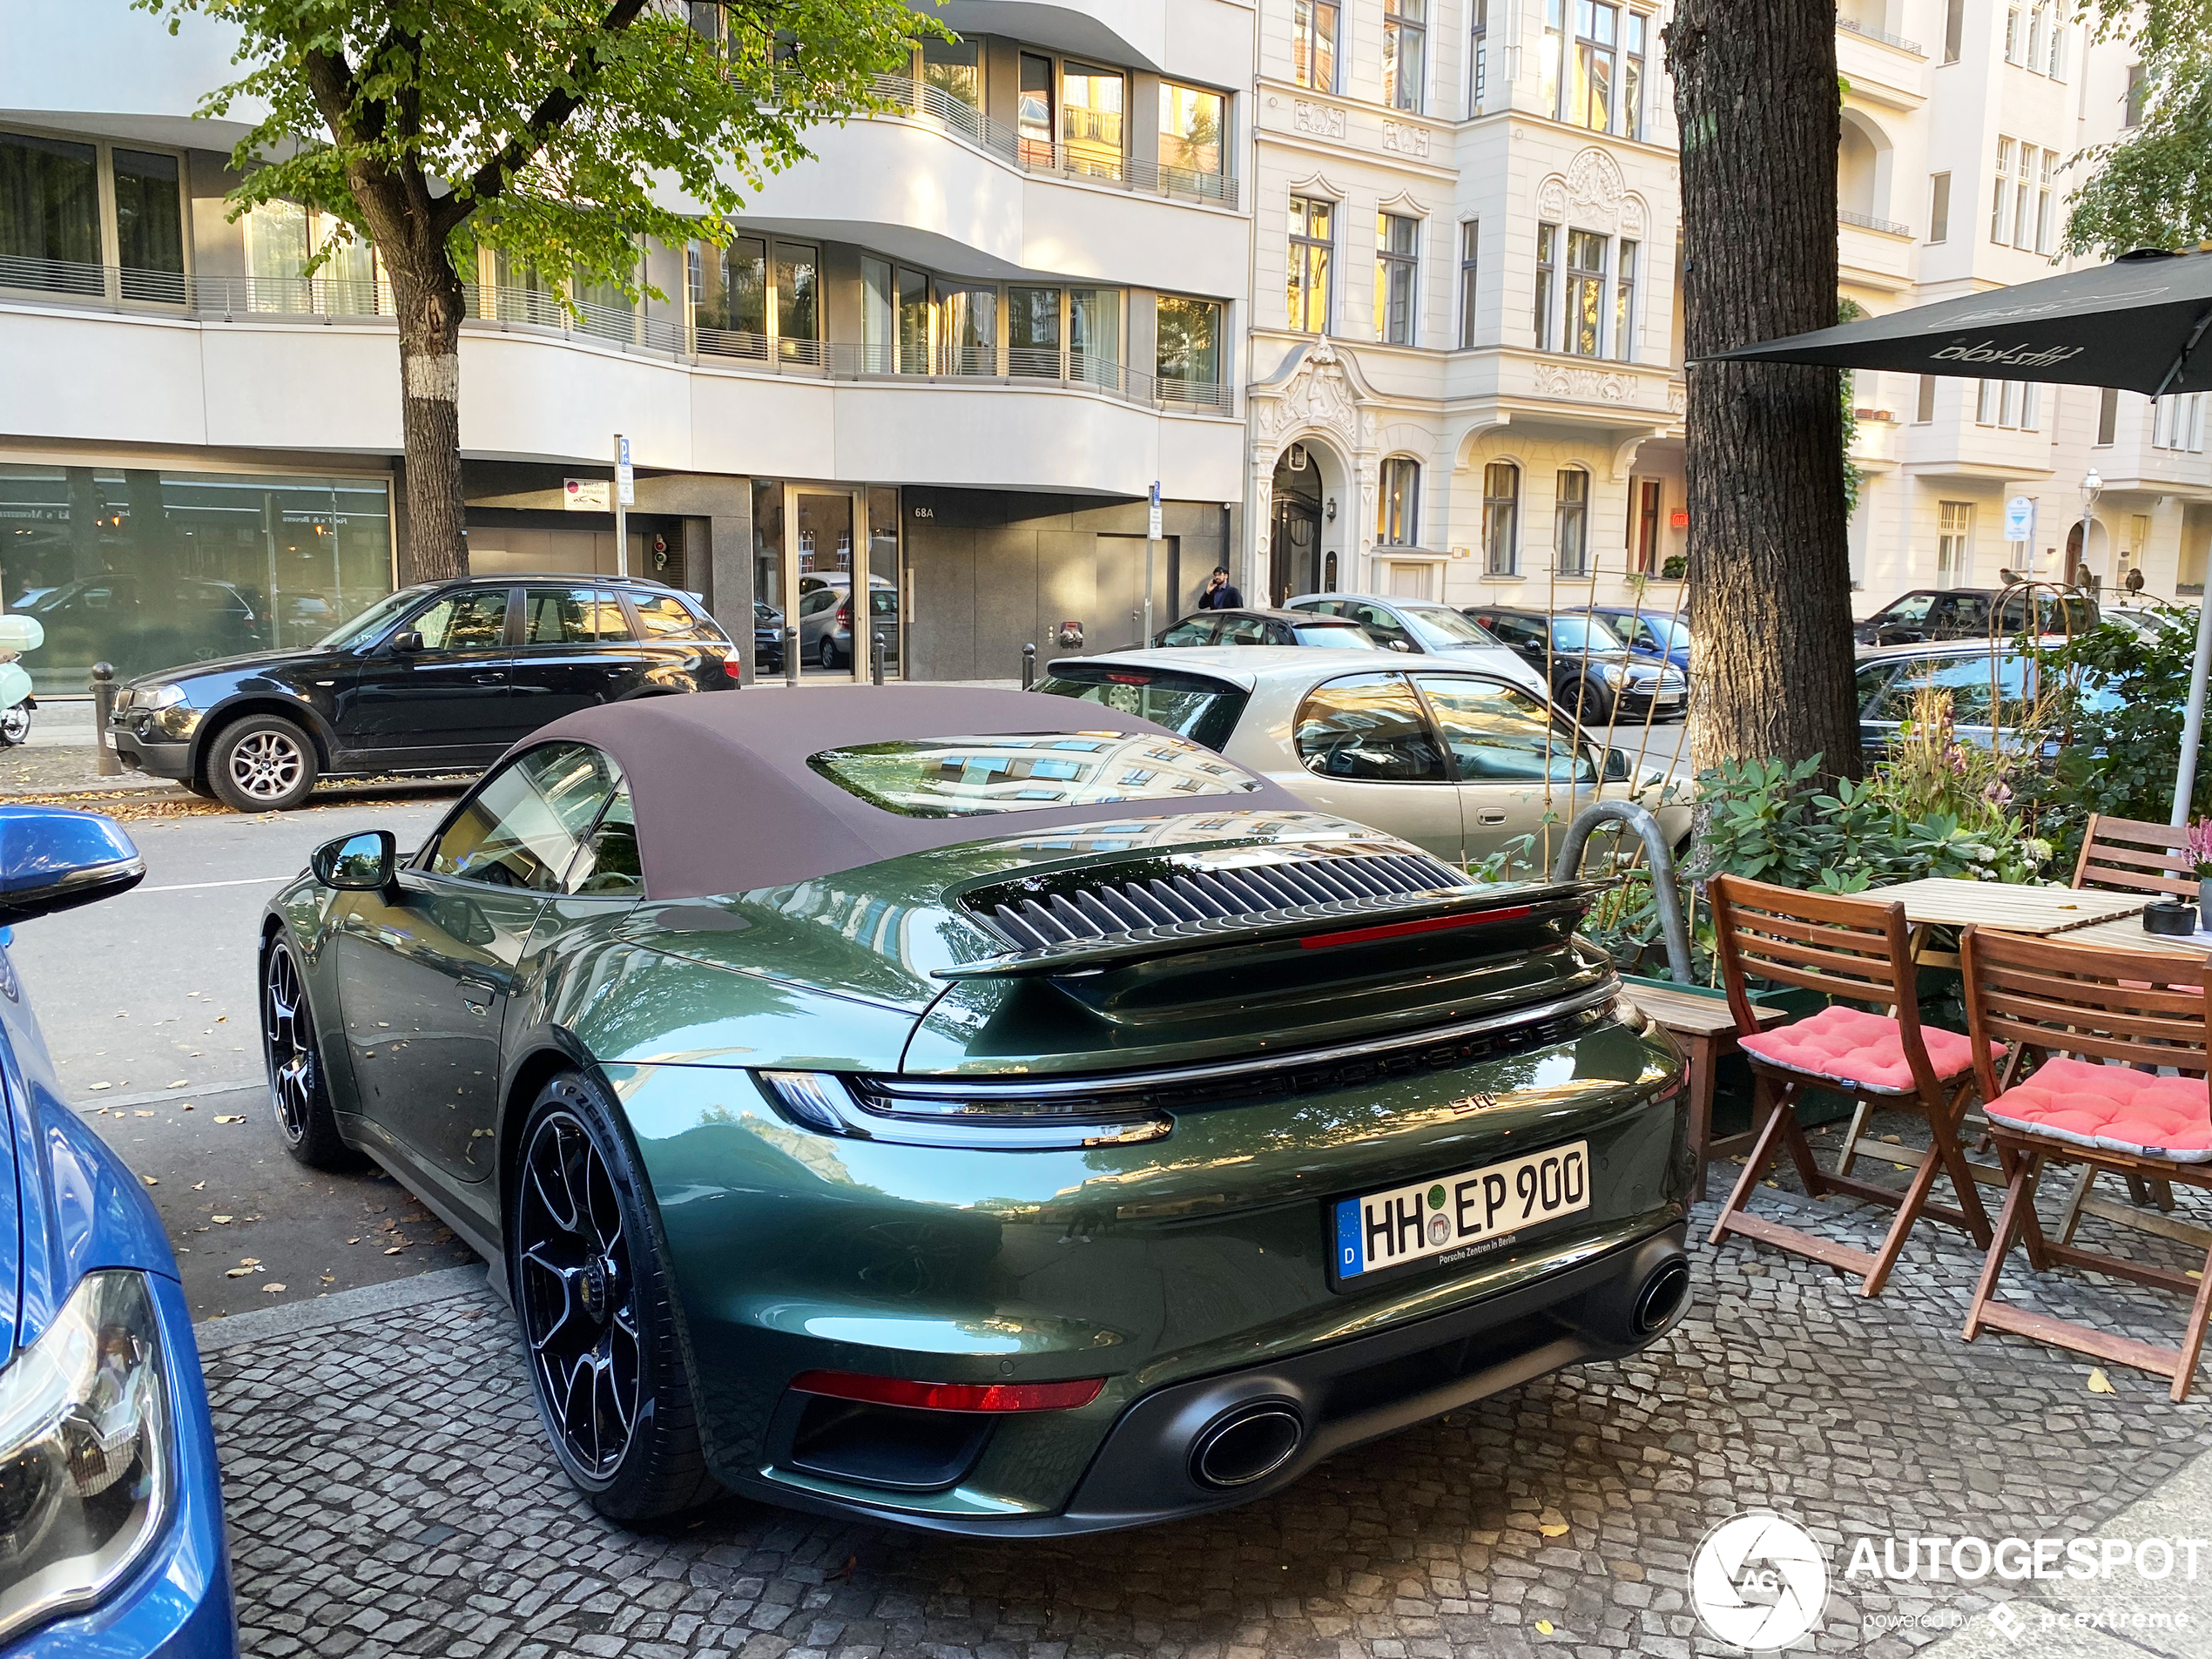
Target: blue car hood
(71, 1204)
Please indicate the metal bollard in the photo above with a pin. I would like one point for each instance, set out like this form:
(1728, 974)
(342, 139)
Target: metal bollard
(791, 656)
(103, 689)
(1028, 668)
(877, 647)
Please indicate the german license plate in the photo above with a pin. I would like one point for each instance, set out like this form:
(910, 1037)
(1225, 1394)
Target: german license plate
(1450, 1219)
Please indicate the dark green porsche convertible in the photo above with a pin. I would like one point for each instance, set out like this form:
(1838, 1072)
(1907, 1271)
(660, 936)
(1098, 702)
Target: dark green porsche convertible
(977, 1111)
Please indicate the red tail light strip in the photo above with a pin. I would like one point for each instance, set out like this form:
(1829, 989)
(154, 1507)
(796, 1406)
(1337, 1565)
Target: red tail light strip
(1395, 929)
(949, 1397)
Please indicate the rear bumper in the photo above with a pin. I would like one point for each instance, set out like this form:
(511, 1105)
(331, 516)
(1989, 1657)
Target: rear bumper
(1613, 1302)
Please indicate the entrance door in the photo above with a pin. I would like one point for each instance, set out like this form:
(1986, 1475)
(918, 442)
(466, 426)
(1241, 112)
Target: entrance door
(1293, 544)
(1120, 588)
(826, 528)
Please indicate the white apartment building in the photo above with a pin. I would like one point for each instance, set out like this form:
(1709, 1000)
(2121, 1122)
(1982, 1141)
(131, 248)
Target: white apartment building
(1465, 355)
(942, 364)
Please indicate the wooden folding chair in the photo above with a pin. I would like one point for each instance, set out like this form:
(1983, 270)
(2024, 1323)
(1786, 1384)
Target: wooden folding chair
(2126, 855)
(1856, 952)
(2129, 1038)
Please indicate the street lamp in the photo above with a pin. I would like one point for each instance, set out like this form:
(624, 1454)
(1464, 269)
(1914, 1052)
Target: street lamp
(2092, 486)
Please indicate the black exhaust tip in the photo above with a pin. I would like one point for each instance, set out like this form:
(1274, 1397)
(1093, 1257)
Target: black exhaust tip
(1247, 1444)
(1663, 1295)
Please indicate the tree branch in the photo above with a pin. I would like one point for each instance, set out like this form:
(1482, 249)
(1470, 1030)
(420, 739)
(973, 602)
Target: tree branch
(552, 112)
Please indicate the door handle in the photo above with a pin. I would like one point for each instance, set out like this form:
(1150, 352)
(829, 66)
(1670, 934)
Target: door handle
(476, 994)
(488, 679)
(1490, 815)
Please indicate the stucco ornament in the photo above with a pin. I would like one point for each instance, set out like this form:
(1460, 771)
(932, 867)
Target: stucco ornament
(1317, 395)
(1591, 194)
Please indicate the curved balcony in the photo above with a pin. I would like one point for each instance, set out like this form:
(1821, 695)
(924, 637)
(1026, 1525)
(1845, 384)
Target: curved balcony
(1208, 39)
(307, 365)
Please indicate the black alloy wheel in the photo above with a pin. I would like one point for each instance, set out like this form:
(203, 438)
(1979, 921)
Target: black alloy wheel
(596, 1309)
(1592, 706)
(298, 1092)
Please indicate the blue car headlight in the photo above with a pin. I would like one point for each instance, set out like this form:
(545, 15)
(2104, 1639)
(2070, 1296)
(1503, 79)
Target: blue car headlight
(86, 1452)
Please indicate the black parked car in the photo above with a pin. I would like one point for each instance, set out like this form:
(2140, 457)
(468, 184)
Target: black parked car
(1594, 675)
(442, 678)
(767, 638)
(1259, 626)
(1928, 614)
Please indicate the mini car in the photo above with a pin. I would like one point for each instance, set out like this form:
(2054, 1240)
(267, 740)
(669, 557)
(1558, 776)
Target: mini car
(977, 1110)
(111, 1504)
(1445, 752)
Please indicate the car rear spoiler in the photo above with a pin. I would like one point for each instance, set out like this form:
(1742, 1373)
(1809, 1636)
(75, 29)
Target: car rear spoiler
(1318, 926)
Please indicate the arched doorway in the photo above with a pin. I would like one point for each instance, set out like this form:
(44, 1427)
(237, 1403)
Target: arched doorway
(1295, 561)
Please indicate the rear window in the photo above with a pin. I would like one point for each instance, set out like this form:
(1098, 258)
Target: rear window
(1440, 624)
(1341, 636)
(975, 777)
(1204, 711)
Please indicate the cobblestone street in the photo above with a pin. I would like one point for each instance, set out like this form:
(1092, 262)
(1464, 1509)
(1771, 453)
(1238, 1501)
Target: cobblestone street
(389, 1493)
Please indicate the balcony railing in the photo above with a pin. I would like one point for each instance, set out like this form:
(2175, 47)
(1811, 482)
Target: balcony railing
(1868, 222)
(1897, 41)
(1096, 157)
(486, 305)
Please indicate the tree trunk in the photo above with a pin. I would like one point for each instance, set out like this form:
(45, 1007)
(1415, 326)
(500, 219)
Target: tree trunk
(1756, 95)
(430, 309)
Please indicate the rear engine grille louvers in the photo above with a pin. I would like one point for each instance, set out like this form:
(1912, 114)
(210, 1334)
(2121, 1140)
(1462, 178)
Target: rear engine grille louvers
(1215, 894)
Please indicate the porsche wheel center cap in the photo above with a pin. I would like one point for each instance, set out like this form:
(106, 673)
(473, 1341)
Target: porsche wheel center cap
(595, 1287)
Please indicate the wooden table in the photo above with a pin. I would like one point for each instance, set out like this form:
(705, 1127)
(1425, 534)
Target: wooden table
(2128, 934)
(1706, 1029)
(1946, 902)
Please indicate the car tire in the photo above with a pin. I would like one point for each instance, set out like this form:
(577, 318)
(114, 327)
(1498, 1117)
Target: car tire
(829, 657)
(298, 1089)
(1592, 706)
(199, 786)
(597, 1310)
(261, 764)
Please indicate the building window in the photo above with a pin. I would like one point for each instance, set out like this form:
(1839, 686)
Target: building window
(1954, 543)
(1032, 331)
(1638, 24)
(55, 235)
(1954, 29)
(1033, 112)
(1554, 59)
(1405, 52)
(1094, 336)
(1999, 218)
(1470, 247)
(2045, 219)
(1644, 546)
(1396, 241)
(1571, 524)
(1939, 207)
(1924, 405)
(2038, 21)
(1547, 276)
(1312, 236)
(2015, 37)
(2138, 89)
(2055, 68)
(1501, 519)
(1188, 358)
(1585, 292)
(1090, 120)
(950, 73)
(2013, 404)
(1314, 44)
(2108, 416)
(799, 302)
(1589, 84)
(730, 297)
(1398, 515)
(967, 329)
(1478, 57)
(1193, 138)
(1624, 301)
(2178, 423)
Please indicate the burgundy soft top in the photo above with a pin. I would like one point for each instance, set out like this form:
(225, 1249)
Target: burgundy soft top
(726, 802)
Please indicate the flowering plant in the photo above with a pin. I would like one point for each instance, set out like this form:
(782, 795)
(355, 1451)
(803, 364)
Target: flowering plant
(2198, 845)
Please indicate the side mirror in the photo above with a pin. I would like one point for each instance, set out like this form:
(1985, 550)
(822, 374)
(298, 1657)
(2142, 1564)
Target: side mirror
(53, 858)
(406, 642)
(362, 863)
(1617, 768)
(1399, 644)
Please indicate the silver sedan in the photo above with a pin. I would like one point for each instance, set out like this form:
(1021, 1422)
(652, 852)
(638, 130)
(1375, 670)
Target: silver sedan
(1460, 758)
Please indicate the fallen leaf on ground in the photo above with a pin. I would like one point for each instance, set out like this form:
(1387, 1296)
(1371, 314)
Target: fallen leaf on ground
(1543, 1627)
(151, 1181)
(198, 1186)
(2099, 1383)
(188, 1106)
(99, 1085)
(392, 1251)
(145, 1114)
(221, 1221)
(236, 1272)
(230, 1117)
(273, 1287)
(1553, 1532)
(180, 1082)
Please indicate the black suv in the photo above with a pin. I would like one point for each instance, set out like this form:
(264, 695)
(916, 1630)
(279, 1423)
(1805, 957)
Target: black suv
(1929, 614)
(442, 678)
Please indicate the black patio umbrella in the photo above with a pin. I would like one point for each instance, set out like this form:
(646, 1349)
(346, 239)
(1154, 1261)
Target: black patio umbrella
(2139, 324)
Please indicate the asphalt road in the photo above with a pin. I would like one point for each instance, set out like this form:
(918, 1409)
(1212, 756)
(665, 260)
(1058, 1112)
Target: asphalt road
(148, 1003)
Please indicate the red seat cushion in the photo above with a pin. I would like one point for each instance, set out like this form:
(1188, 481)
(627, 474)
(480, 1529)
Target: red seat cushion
(2112, 1107)
(1859, 1048)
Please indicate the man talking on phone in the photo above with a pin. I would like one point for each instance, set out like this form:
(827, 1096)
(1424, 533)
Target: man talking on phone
(1220, 594)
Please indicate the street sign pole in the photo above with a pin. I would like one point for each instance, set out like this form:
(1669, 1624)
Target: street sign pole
(625, 493)
(1151, 541)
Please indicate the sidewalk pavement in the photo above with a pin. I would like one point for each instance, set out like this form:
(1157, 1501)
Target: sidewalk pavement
(390, 1491)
